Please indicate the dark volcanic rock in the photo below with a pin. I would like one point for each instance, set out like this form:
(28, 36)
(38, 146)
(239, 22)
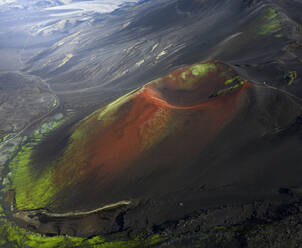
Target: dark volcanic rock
(204, 154)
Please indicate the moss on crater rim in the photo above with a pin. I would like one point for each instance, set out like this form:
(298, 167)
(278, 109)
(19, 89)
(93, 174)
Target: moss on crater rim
(191, 74)
(202, 69)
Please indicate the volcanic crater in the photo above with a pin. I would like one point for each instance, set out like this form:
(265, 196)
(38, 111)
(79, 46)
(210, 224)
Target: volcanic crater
(157, 143)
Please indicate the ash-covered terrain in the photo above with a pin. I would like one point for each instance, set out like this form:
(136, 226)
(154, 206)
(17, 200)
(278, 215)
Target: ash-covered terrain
(154, 123)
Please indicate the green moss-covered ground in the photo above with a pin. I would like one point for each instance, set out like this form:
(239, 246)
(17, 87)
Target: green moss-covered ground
(32, 190)
(270, 22)
(192, 73)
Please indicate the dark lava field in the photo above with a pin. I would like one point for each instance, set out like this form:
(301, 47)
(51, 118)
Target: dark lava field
(151, 123)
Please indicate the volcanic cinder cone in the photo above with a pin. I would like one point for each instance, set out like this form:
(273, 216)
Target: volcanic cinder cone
(199, 127)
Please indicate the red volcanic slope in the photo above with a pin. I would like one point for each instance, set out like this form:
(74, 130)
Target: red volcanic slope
(166, 123)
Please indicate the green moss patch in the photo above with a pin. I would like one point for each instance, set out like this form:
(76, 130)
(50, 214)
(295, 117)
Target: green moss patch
(202, 69)
(233, 80)
(233, 87)
(271, 22)
(190, 77)
(32, 190)
(290, 77)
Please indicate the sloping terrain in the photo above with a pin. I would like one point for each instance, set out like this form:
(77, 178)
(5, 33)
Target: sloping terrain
(132, 47)
(22, 98)
(186, 131)
(201, 131)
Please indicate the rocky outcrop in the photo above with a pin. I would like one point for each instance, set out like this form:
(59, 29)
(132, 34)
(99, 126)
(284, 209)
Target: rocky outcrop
(105, 220)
